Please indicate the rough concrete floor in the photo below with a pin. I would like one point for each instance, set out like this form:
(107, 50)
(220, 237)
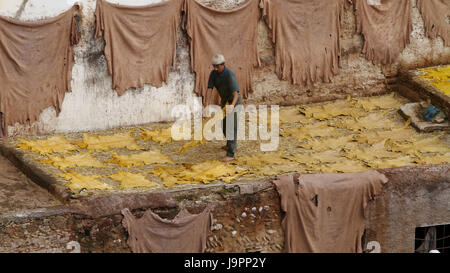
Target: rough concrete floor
(288, 145)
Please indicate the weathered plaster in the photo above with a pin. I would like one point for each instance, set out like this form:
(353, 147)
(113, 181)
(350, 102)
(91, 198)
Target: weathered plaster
(94, 105)
(358, 77)
(414, 197)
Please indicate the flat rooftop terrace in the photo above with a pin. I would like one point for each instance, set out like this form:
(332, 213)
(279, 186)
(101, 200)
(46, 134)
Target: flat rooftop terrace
(57, 189)
(351, 135)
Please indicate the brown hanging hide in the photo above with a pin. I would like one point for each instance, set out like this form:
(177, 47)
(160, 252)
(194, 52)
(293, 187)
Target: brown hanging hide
(140, 42)
(232, 33)
(386, 28)
(186, 233)
(436, 17)
(36, 60)
(325, 212)
(306, 35)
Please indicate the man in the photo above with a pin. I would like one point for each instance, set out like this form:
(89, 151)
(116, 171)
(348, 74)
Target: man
(225, 82)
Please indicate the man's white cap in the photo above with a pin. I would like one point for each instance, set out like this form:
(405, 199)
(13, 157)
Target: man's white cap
(218, 59)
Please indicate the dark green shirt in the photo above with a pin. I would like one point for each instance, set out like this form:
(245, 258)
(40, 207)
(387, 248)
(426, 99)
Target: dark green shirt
(226, 84)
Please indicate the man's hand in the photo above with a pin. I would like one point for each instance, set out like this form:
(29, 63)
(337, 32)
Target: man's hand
(207, 96)
(229, 108)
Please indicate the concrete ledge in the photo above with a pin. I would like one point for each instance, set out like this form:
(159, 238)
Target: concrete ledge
(38, 176)
(414, 196)
(111, 204)
(416, 89)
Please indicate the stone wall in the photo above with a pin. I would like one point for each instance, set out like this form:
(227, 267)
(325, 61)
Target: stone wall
(93, 105)
(414, 197)
(247, 216)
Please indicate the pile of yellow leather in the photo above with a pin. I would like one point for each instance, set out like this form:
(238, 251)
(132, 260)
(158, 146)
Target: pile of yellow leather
(132, 180)
(108, 142)
(191, 144)
(51, 145)
(270, 163)
(375, 120)
(72, 161)
(140, 159)
(92, 182)
(205, 172)
(387, 102)
(292, 115)
(329, 111)
(356, 135)
(162, 136)
(343, 136)
(438, 77)
(79, 181)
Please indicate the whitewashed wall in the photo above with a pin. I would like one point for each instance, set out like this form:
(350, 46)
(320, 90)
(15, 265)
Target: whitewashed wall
(92, 104)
